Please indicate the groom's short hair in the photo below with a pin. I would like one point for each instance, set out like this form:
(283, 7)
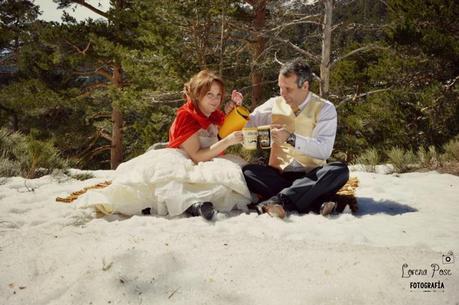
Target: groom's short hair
(298, 67)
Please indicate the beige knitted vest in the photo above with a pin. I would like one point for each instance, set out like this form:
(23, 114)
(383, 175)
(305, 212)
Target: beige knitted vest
(303, 124)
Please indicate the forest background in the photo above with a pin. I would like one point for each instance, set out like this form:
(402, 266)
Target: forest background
(94, 93)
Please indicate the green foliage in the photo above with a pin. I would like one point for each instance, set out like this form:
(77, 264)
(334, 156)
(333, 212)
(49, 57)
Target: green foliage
(83, 176)
(406, 114)
(369, 159)
(416, 67)
(401, 159)
(26, 156)
(428, 158)
(16, 17)
(452, 150)
(149, 128)
(9, 168)
(427, 27)
(28, 97)
(63, 90)
(378, 121)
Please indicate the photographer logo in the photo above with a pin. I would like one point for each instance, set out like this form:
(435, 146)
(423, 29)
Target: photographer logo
(448, 258)
(431, 278)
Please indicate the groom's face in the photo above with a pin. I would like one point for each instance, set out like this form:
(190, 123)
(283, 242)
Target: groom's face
(289, 90)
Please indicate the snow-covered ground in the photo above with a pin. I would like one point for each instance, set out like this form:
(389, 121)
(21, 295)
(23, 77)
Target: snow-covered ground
(394, 251)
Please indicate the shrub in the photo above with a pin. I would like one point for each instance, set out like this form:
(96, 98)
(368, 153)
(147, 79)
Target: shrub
(38, 156)
(369, 159)
(82, 176)
(8, 142)
(428, 158)
(25, 156)
(9, 168)
(451, 150)
(401, 160)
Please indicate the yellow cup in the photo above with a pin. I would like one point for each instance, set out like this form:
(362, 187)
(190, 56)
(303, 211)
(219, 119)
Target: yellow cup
(235, 120)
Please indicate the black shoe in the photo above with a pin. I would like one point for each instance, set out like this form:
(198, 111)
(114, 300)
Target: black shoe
(204, 209)
(272, 206)
(146, 211)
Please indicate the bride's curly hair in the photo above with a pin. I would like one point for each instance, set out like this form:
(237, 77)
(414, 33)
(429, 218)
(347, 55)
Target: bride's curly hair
(200, 84)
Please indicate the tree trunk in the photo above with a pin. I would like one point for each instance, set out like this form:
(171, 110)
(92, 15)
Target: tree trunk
(14, 122)
(116, 153)
(326, 48)
(222, 45)
(257, 49)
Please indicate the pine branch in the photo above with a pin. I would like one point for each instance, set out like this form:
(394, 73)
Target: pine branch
(95, 86)
(89, 147)
(303, 20)
(451, 83)
(100, 115)
(99, 150)
(4, 59)
(315, 58)
(277, 60)
(104, 134)
(363, 27)
(354, 97)
(92, 8)
(99, 71)
(336, 26)
(103, 72)
(80, 51)
(6, 109)
(362, 49)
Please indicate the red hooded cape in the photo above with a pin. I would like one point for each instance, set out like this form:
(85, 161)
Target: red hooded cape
(189, 120)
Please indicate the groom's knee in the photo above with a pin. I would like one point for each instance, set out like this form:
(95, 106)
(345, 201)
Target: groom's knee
(339, 171)
(252, 170)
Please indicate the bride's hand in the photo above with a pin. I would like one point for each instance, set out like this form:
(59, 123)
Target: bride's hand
(237, 97)
(236, 100)
(234, 138)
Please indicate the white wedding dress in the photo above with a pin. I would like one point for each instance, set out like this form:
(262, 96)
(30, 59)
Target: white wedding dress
(168, 182)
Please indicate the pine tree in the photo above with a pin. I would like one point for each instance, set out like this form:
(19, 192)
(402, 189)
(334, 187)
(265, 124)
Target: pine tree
(23, 93)
(105, 47)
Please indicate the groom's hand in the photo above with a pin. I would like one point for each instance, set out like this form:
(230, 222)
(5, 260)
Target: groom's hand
(279, 134)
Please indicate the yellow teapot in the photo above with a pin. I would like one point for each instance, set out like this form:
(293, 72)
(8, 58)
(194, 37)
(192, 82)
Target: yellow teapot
(235, 120)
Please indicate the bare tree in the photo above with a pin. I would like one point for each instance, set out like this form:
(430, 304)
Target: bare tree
(258, 45)
(326, 48)
(324, 60)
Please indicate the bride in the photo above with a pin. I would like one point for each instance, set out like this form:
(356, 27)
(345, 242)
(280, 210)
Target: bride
(190, 176)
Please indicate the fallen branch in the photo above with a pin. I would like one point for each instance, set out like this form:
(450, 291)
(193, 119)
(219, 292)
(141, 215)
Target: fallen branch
(73, 196)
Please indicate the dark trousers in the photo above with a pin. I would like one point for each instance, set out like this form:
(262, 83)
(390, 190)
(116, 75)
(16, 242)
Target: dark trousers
(298, 191)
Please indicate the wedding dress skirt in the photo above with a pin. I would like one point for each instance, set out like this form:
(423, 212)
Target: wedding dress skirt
(168, 182)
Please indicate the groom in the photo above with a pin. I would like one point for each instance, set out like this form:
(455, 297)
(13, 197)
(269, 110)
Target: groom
(303, 130)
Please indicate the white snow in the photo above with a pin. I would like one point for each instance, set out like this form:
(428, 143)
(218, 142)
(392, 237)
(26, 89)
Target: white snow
(52, 253)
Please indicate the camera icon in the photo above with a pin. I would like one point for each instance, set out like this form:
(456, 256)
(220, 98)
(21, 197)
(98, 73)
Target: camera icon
(448, 258)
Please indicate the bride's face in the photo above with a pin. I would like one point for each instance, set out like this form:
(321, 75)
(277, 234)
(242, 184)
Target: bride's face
(211, 100)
